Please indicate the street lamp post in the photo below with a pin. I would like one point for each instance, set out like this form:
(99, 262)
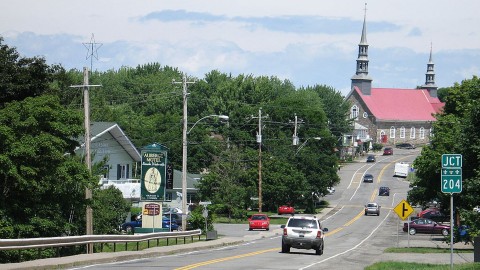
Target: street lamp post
(184, 159)
(305, 142)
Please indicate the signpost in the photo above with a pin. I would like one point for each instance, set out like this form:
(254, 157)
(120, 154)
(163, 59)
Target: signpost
(451, 182)
(403, 210)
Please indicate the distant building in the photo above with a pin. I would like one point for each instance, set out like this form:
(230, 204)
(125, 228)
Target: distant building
(391, 115)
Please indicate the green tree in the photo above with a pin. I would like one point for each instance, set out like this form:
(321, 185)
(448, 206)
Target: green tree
(456, 131)
(109, 210)
(22, 77)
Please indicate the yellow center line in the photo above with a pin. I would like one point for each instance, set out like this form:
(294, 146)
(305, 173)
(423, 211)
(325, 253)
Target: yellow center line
(226, 259)
(372, 197)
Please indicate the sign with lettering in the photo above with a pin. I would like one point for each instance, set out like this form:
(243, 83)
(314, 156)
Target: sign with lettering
(153, 179)
(451, 173)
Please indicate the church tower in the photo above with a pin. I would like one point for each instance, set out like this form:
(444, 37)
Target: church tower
(361, 78)
(430, 77)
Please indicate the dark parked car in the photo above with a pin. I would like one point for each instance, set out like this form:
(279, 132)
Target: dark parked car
(434, 214)
(371, 158)
(387, 151)
(405, 146)
(384, 191)
(137, 223)
(368, 178)
(177, 217)
(424, 225)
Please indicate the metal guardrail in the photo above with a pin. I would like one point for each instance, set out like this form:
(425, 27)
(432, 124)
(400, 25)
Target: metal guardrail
(28, 243)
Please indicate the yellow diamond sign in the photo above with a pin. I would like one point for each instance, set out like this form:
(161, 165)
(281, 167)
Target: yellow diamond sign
(403, 209)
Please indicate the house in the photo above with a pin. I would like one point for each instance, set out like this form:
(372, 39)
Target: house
(122, 168)
(391, 115)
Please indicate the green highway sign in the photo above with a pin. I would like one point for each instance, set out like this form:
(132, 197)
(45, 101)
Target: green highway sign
(451, 180)
(451, 161)
(451, 173)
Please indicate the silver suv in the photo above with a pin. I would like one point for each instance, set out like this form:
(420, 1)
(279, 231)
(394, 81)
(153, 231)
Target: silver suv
(372, 208)
(303, 232)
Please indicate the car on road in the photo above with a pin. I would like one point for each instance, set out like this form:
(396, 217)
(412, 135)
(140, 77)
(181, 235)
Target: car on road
(405, 146)
(476, 209)
(368, 178)
(372, 208)
(303, 232)
(136, 222)
(424, 225)
(384, 191)
(259, 222)
(387, 151)
(286, 209)
(371, 158)
(433, 214)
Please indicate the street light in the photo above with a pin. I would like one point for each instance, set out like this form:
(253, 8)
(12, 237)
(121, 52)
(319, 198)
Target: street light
(184, 162)
(305, 142)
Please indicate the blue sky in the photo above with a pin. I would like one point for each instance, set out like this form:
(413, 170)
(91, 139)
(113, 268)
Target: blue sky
(308, 42)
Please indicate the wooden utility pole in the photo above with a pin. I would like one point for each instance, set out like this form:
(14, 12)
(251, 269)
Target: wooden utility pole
(184, 83)
(259, 141)
(88, 161)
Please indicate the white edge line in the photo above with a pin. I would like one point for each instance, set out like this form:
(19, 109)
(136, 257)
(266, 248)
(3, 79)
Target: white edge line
(356, 246)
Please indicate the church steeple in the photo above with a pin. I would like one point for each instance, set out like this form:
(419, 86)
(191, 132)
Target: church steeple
(430, 77)
(361, 78)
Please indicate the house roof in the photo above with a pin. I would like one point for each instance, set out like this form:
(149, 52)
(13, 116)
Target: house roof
(97, 129)
(401, 104)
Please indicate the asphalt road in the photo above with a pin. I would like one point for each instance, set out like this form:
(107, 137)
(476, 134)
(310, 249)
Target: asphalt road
(354, 240)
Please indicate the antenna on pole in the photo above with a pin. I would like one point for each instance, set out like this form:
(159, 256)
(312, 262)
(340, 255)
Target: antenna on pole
(92, 50)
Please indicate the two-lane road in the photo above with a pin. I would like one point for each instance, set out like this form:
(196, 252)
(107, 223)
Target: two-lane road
(353, 241)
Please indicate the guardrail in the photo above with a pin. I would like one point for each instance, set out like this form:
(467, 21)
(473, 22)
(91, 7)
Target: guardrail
(30, 243)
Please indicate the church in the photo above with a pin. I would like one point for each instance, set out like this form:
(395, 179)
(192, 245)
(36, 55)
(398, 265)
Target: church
(391, 115)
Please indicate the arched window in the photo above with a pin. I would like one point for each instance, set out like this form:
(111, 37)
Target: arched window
(392, 132)
(422, 133)
(412, 133)
(402, 132)
(354, 112)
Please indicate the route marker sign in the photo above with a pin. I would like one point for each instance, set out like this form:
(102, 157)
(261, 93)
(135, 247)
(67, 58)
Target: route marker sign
(451, 173)
(403, 209)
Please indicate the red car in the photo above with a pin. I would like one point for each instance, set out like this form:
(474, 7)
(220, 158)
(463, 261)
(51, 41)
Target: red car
(424, 225)
(286, 209)
(433, 214)
(259, 222)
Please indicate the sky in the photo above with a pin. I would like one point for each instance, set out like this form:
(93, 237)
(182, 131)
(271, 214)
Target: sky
(308, 42)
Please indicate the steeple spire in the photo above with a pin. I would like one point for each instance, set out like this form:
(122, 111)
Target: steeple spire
(361, 78)
(430, 76)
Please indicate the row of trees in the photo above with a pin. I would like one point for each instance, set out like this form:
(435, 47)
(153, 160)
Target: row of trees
(41, 120)
(457, 131)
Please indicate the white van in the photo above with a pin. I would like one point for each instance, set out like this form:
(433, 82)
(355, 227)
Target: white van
(401, 169)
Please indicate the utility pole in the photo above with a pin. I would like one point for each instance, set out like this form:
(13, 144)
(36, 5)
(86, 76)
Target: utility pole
(259, 141)
(88, 161)
(184, 83)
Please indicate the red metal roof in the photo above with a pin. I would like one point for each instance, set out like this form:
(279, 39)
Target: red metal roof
(401, 104)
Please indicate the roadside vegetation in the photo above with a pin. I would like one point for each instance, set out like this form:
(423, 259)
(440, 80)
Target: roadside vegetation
(420, 266)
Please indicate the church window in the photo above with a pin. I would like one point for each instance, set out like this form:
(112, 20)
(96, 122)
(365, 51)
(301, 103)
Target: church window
(402, 132)
(412, 133)
(422, 133)
(392, 132)
(354, 112)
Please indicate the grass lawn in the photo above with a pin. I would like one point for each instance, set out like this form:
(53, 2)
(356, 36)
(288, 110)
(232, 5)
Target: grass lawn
(420, 266)
(425, 250)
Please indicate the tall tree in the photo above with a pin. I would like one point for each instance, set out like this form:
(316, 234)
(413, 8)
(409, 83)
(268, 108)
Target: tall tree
(21, 77)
